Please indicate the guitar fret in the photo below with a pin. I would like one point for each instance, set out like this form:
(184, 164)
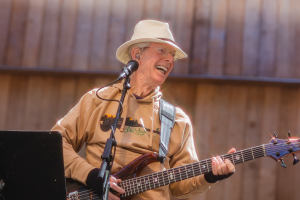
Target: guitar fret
(199, 167)
(174, 175)
(187, 176)
(153, 181)
(179, 173)
(138, 184)
(207, 166)
(193, 171)
(133, 186)
(163, 178)
(242, 155)
(130, 187)
(232, 158)
(252, 154)
(168, 178)
(148, 181)
(157, 179)
(145, 184)
(264, 149)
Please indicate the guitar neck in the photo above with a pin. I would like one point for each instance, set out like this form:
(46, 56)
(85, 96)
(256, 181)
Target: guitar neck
(158, 179)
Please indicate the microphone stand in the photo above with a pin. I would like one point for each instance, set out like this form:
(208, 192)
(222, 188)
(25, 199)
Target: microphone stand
(107, 157)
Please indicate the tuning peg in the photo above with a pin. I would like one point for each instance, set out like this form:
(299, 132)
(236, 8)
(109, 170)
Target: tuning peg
(289, 136)
(296, 160)
(274, 140)
(282, 163)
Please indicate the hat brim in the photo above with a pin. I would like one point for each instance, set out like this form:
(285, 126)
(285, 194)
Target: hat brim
(122, 52)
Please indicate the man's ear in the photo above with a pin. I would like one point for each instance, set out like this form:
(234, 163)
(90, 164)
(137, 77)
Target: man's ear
(135, 54)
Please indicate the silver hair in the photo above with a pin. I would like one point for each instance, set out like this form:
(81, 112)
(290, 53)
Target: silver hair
(140, 45)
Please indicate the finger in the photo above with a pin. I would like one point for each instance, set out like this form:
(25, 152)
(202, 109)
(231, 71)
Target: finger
(230, 166)
(119, 180)
(116, 188)
(232, 150)
(214, 166)
(112, 196)
(113, 179)
(222, 169)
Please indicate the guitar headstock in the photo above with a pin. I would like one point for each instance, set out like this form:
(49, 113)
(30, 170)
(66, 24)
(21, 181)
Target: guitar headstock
(280, 148)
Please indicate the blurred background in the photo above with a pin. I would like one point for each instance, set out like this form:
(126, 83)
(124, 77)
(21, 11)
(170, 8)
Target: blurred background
(239, 85)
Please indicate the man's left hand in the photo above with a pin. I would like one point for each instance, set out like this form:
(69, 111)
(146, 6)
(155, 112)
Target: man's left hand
(220, 169)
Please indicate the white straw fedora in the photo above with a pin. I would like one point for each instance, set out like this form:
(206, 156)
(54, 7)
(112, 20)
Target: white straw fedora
(149, 31)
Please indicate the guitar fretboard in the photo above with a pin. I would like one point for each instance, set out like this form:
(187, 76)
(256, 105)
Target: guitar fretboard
(158, 179)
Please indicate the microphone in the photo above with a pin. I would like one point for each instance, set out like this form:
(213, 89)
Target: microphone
(131, 67)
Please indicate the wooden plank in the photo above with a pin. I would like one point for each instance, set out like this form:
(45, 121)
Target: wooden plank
(84, 85)
(287, 122)
(270, 119)
(33, 33)
(234, 38)
(66, 33)
(251, 139)
(284, 52)
(218, 140)
(116, 34)
(217, 37)
(237, 118)
(5, 81)
(50, 34)
(200, 38)
(251, 38)
(5, 9)
(100, 34)
(183, 96)
(16, 33)
(267, 51)
(33, 109)
(16, 103)
(49, 102)
(183, 33)
(295, 17)
(203, 109)
(66, 100)
(83, 34)
(133, 17)
(152, 9)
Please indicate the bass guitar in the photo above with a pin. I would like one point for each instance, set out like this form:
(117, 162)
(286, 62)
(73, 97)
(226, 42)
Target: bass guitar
(132, 184)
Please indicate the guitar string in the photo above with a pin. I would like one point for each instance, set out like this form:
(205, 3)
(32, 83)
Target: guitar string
(190, 174)
(188, 169)
(247, 155)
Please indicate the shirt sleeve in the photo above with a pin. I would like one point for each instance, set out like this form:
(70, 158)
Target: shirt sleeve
(73, 128)
(186, 155)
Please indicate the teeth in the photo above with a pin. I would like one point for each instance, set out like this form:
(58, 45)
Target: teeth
(162, 69)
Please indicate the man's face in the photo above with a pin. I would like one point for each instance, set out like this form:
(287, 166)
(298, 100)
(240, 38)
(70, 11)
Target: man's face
(156, 62)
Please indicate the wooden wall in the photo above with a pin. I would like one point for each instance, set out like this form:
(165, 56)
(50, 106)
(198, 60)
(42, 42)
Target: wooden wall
(222, 37)
(224, 115)
(243, 38)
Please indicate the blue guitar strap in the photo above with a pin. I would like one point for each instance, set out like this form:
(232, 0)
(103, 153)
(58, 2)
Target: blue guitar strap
(167, 120)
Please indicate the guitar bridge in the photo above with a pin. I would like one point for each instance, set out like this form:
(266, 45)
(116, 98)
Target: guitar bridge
(73, 196)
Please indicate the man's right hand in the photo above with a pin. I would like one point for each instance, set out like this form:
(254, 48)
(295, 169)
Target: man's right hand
(114, 185)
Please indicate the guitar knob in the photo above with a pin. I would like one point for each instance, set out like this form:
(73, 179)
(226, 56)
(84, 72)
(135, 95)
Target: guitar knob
(296, 160)
(282, 163)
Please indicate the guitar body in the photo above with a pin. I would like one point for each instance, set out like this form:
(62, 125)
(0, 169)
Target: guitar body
(129, 171)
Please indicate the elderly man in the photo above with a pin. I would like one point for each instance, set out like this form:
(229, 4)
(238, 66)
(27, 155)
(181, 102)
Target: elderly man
(153, 47)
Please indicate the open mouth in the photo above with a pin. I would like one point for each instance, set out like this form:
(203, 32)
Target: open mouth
(162, 69)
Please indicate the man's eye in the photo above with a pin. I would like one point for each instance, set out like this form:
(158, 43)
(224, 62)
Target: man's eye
(161, 50)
